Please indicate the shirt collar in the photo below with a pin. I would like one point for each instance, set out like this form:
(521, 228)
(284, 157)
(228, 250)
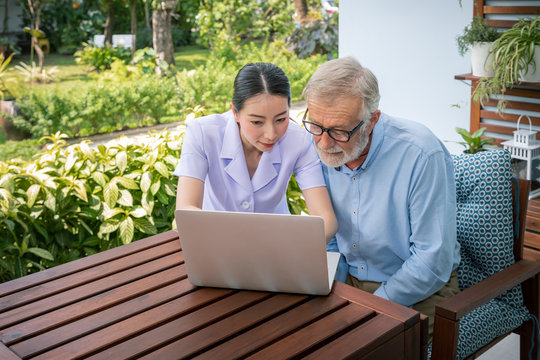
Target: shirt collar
(232, 149)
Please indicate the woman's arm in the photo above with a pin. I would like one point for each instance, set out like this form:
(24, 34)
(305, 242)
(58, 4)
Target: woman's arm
(318, 203)
(189, 194)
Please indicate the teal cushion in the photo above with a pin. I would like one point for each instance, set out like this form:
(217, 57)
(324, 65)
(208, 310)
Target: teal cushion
(485, 232)
(484, 218)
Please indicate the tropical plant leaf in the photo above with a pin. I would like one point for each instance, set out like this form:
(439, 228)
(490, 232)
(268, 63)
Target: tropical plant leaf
(127, 230)
(32, 194)
(145, 226)
(42, 253)
(146, 181)
(125, 198)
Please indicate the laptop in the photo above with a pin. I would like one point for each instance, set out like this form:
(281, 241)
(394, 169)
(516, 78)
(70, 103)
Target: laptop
(254, 251)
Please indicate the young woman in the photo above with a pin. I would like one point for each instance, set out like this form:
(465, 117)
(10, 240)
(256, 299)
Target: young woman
(242, 160)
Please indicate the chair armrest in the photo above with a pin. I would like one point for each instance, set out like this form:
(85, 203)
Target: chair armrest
(469, 299)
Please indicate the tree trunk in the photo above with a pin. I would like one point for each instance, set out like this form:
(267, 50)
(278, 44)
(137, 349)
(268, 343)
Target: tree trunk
(35, 43)
(109, 23)
(162, 37)
(147, 14)
(301, 11)
(133, 27)
(5, 27)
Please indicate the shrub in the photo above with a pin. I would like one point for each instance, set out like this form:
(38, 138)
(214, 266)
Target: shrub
(220, 73)
(75, 200)
(24, 149)
(101, 58)
(101, 107)
(317, 37)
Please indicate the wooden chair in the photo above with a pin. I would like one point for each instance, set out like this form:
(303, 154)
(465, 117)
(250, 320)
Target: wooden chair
(466, 308)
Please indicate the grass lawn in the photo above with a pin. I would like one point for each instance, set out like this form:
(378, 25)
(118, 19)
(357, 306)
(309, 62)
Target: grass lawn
(71, 75)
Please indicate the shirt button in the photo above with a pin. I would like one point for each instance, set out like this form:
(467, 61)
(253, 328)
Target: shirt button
(353, 179)
(354, 212)
(353, 245)
(362, 267)
(245, 204)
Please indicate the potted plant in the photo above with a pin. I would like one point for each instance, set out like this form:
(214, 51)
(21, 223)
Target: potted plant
(474, 142)
(515, 60)
(478, 38)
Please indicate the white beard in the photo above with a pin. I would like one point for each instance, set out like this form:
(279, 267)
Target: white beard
(336, 156)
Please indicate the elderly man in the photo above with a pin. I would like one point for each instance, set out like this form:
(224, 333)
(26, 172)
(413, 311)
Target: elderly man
(391, 183)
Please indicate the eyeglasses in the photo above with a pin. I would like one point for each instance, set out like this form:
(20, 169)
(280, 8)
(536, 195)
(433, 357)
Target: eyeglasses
(336, 134)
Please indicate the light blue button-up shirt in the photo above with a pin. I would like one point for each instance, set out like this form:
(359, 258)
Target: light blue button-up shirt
(212, 152)
(397, 212)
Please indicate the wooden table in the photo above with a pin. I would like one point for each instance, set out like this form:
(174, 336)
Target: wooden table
(135, 301)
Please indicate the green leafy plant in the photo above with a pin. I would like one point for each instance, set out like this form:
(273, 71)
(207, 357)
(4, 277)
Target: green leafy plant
(474, 142)
(317, 37)
(76, 200)
(101, 58)
(4, 90)
(475, 32)
(102, 106)
(32, 73)
(22, 149)
(513, 54)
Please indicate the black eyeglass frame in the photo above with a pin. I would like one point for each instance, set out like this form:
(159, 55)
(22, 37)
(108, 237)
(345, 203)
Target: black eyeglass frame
(329, 131)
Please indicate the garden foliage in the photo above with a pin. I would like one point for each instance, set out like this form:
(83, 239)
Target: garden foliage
(320, 36)
(211, 84)
(75, 200)
(101, 58)
(241, 20)
(103, 106)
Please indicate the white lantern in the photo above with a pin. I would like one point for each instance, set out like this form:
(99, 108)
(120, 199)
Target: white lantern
(524, 146)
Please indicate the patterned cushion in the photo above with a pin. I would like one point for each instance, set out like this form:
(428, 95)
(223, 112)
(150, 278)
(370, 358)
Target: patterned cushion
(484, 324)
(484, 218)
(485, 232)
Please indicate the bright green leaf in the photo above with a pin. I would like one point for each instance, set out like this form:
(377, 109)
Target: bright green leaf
(42, 253)
(100, 178)
(110, 194)
(32, 193)
(127, 183)
(127, 230)
(121, 161)
(146, 181)
(145, 226)
(162, 169)
(138, 213)
(125, 198)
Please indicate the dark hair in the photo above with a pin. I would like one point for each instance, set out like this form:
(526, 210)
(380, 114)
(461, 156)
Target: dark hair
(260, 78)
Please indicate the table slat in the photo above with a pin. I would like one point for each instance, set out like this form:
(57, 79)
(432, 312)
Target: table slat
(103, 319)
(269, 332)
(208, 336)
(84, 308)
(317, 334)
(76, 279)
(88, 262)
(133, 325)
(7, 354)
(368, 337)
(72, 295)
(185, 325)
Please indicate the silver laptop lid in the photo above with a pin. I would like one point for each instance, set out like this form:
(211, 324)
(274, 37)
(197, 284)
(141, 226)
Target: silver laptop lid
(252, 251)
